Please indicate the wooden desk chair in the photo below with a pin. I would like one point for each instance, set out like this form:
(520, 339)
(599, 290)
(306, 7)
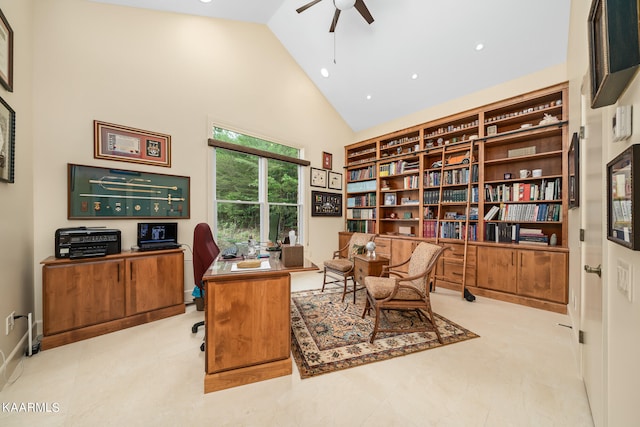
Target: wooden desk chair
(340, 269)
(405, 291)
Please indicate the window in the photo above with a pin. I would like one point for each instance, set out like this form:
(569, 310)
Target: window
(256, 189)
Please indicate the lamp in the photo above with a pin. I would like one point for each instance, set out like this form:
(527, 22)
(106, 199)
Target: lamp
(344, 4)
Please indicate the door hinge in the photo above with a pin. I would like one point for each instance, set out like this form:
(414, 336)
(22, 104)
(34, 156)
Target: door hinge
(582, 234)
(581, 132)
(581, 337)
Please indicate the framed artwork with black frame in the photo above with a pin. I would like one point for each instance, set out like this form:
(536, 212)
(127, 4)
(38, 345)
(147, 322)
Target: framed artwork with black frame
(623, 190)
(326, 204)
(574, 171)
(335, 180)
(6, 53)
(614, 53)
(7, 142)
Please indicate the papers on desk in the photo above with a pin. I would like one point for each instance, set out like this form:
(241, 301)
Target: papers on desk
(264, 265)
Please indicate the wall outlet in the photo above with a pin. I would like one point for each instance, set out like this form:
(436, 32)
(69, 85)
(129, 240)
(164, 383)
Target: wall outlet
(10, 322)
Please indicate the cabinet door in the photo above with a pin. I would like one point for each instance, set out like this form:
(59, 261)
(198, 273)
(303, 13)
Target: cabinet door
(497, 269)
(543, 275)
(155, 281)
(82, 294)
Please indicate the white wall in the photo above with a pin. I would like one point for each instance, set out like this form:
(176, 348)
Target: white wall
(16, 206)
(167, 73)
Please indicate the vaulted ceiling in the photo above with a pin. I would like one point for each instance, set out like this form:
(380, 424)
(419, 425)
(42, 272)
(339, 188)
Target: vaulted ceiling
(416, 53)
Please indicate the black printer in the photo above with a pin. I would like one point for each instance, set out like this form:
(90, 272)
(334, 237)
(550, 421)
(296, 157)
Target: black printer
(86, 242)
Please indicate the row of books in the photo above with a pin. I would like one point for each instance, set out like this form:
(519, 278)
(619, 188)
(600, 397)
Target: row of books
(410, 182)
(432, 179)
(431, 197)
(398, 167)
(360, 174)
(368, 199)
(525, 212)
(361, 226)
(361, 214)
(522, 192)
(512, 233)
(449, 230)
(354, 187)
(460, 176)
(459, 195)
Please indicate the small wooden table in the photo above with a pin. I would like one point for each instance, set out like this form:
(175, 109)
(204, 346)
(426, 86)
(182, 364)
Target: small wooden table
(248, 323)
(364, 266)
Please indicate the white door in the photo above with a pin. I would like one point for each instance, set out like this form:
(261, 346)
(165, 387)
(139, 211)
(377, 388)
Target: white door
(591, 200)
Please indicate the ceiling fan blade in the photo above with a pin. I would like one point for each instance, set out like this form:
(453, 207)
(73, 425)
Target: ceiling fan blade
(335, 20)
(307, 6)
(362, 8)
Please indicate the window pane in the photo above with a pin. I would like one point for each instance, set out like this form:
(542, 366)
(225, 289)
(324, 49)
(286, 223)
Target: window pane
(283, 182)
(282, 219)
(237, 222)
(236, 176)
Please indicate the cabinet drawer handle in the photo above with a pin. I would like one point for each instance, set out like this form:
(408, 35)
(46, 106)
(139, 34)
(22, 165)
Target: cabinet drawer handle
(118, 272)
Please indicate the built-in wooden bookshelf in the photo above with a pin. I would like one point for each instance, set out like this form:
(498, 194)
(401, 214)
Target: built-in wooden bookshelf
(496, 174)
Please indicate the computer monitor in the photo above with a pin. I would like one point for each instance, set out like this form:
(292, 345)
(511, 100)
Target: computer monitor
(157, 233)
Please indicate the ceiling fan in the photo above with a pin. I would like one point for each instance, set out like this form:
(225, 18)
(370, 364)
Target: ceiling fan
(340, 6)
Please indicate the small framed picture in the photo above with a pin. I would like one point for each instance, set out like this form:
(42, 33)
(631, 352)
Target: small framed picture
(390, 199)
(327, 160)
(335, 180)
(318, 178)
(492, 130)
(7, 142)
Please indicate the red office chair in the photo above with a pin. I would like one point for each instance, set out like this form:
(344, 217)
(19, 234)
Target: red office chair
(205, 251)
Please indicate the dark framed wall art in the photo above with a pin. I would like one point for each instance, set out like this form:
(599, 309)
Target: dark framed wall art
(95, 192)
(614, 53)
(623, 192)
(326, 204)
(6, 53)
(7, 142)
(574, 171)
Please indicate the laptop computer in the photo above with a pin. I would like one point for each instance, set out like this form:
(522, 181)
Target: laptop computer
(154, 236)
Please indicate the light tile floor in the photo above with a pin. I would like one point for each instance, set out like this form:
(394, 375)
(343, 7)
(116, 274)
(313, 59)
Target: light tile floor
(520, 372)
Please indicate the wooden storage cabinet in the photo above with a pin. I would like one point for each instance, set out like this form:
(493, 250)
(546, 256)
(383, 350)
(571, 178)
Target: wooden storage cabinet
(90, 297)
(71, 301)
(364, 266)
(449, 272)
(536, 278)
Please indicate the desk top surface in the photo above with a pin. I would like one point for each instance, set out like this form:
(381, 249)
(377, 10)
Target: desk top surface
(223, 267)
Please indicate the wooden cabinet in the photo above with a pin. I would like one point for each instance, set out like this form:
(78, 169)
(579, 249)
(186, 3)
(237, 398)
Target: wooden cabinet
(451, 268)
(90, 297)
(364, 266)
(535, 278)
(71, 301)
(152, 282)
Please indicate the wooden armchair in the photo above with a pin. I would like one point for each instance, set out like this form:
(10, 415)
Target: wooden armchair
(405, 291)
(340, 269)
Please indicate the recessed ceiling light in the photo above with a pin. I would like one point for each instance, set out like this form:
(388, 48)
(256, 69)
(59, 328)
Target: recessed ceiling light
(368, 97)
(414, 76)
(205, 1)
(479, 46)
(324, 72)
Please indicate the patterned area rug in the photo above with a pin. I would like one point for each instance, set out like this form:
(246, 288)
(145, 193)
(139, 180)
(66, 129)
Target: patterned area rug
(329, 335)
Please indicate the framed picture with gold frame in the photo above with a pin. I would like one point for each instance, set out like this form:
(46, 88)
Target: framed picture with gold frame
(126, 144)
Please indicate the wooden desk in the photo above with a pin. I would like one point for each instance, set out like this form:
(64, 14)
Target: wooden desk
(248, 324)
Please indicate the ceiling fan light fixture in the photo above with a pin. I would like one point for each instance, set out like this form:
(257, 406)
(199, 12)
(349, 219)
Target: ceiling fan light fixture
(344, 4)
